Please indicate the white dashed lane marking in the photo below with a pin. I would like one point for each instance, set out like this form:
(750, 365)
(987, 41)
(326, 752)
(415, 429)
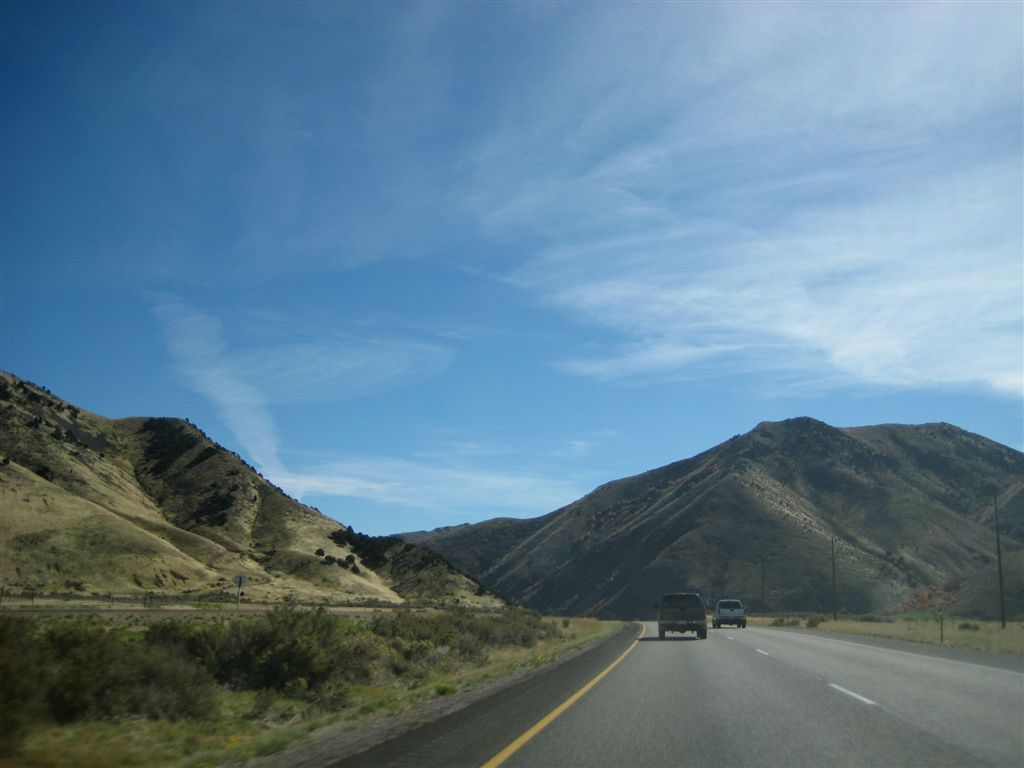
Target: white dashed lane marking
(857, 696)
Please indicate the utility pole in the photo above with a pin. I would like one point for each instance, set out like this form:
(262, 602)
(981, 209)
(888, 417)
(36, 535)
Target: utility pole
(764, 604)
(999, 562)
(239, 580)
(834, 616)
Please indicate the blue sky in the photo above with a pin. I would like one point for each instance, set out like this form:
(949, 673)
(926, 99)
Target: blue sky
(431, 263)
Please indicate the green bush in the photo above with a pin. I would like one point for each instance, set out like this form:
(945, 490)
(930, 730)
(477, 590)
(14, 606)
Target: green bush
(462, 634)
(101, 673)
(84, 669)
(24, 679)
(199, 640)
(813, 621)
(286, 650)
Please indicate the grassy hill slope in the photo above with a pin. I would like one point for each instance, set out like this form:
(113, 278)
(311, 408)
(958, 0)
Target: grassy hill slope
(89, 504)
(909, 508)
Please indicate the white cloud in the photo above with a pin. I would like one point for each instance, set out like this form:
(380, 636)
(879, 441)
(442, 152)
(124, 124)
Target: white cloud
(244, 384)
(445, 480)
(645, 359)
(832, 191)
(431, 486)
(584, 446)
(919, 288)
(339, 368)
(197, 344)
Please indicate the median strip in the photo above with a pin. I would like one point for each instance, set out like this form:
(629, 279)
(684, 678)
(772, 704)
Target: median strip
(544, 722)
(857, 696)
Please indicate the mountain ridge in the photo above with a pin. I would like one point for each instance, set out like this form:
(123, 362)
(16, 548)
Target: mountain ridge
(98, 505)
(95, 505)
(909, 507)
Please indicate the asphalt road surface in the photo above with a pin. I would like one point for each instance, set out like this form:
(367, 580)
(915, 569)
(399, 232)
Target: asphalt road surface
(743, 697)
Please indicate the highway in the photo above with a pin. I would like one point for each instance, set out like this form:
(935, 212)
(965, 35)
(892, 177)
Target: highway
(743, 697)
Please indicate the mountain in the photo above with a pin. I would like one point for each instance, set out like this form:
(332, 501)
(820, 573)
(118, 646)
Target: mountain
(910, 509)
(94, 505)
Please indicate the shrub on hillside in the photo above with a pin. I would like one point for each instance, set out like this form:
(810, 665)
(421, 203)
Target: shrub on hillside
(462, 634)
(101, 673)
(24, 681)
(199, 640)
(66, 671)
(286, 650)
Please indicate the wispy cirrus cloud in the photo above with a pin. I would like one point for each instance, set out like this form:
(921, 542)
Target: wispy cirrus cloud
(336, 369)
(829, 192)
(910, 290)
(430, 485)
(196, 342)
(244, 387)
(329, 367)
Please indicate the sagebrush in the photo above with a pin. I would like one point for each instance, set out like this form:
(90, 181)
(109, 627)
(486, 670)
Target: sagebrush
(85, 669)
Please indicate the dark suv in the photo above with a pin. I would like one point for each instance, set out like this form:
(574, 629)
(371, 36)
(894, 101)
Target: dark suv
(682, 612)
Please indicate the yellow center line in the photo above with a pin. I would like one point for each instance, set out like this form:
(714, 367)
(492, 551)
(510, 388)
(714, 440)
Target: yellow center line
(544, 722)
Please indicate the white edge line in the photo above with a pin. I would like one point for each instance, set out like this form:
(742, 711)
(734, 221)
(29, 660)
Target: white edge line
(857, 696)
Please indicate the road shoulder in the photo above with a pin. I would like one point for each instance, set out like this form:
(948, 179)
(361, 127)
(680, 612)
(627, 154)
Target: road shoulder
(336, 743)
(1007, 661)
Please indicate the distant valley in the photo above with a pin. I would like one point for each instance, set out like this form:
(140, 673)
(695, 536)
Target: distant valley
(94, 506)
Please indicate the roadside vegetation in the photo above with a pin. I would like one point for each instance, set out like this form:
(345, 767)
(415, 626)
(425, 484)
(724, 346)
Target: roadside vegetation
(919, 627)
(218, 691)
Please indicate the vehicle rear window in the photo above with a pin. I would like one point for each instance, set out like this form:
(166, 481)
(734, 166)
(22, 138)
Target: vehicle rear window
(681, 599)
(730, 604)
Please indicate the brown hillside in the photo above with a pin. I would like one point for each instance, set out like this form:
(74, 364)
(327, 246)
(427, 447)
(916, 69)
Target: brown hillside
(93, 505)
(910, 508)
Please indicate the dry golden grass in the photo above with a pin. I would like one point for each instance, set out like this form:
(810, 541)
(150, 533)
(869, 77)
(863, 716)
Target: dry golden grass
(955, 632)
(92, 505)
